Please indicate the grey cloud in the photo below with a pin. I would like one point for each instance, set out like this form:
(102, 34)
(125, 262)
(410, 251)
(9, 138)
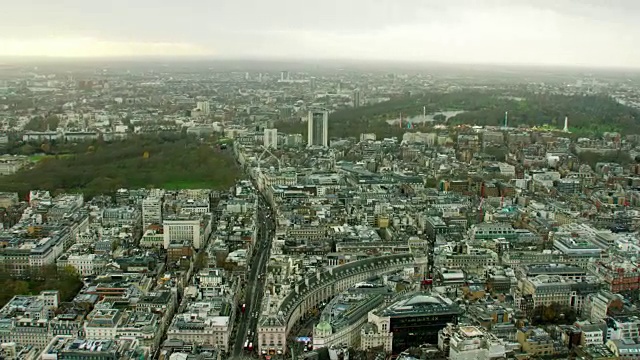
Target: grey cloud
(590, 32)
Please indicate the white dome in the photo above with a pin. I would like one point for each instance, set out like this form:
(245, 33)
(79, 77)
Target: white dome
(422, 300)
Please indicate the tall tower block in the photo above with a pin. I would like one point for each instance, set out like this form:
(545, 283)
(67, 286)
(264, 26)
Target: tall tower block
(318, 127)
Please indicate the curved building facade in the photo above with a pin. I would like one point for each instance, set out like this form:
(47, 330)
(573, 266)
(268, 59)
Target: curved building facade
(344, 316)
(308, 293)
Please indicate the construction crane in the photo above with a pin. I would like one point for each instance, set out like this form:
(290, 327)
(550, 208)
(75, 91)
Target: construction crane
(267, 151)
(480, 211)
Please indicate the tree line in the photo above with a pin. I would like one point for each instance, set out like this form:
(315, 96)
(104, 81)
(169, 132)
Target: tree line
(36, 279)
(553, 314)
(98, 167)
(588, 114)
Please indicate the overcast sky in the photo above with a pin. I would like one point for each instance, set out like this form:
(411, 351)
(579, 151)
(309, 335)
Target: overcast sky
(554, 32)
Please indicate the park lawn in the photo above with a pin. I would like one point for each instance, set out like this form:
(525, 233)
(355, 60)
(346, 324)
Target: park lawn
(39, 157)
(173, 163)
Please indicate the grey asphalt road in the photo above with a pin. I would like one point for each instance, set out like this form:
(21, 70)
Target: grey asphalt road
(254, 287)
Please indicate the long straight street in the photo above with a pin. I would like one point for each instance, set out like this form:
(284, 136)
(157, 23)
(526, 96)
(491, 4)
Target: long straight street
(254, 286)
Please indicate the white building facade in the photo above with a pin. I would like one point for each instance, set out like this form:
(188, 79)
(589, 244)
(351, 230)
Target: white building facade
(318, 126)
(152, 210)
(270, 138)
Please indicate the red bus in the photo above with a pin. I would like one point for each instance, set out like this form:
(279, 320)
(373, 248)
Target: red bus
(244, 307)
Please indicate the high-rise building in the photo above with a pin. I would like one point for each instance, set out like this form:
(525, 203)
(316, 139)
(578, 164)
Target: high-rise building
(318, 126)
(203, 106)
(152, 210)
(285, 76)
(270, 138)
(356, 98)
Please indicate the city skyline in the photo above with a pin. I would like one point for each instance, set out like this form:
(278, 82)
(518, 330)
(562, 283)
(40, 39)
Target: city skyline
(265, 210)
(565, 32)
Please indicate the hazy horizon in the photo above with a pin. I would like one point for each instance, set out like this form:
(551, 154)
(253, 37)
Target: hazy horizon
(559, 33)
(279, 64)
